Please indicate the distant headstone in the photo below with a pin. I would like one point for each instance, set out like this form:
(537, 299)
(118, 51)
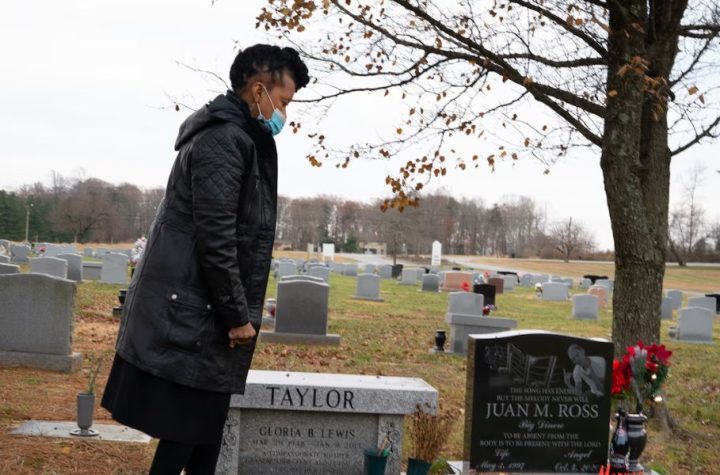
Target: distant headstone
(397, 270)
(554, 291)
(368, 288)
(101, 251)
(286, 268)
(321, 272)
(498, 283)
(436, 259)
(88, 252)
(509, 282)
(452, 281)
(52, 250)
(594, 277)
(328, 251)
(368, 269)
(301, 314)
(19, 254)
(585, 283)
(385, 271)
(606, 283)
(74, 266)
(466, 303)
(50, 266)
(430, 283)
(317, 423)
(585, 306)
(92, 270)
(676, 297)
(568, 281)
(350, 270)
(487, 291)
(409, 277)
(537, 402)
(694, 325)
(717, 301)
(421, 271)
(6, 269)
(702, 302)
(114, 269)
(666, 309)
(4, 259)
(541, 278)
(37, 322)
(527, 280)
(601, 292)
(302, 277)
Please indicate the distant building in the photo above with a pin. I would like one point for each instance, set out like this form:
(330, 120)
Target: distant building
(379, 248)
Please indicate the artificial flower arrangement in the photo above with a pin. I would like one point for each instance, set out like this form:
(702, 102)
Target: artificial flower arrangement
(641, 373)
(487, 309)
(138, 250)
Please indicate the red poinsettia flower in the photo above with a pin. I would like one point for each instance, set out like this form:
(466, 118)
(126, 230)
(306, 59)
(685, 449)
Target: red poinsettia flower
(650, 366)
(465, 286)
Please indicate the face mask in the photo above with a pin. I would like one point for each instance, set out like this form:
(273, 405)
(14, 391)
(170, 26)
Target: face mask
(276, 121)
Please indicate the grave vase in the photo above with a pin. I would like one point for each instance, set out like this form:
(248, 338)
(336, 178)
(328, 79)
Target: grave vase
(619, 445)
(375, 462)
(637, 438)
(440, 339)
(417, 467)
(85, 412)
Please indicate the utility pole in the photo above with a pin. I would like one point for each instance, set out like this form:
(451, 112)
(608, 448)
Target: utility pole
(27, 221)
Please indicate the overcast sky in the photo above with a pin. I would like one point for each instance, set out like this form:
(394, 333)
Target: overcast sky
(85, 86)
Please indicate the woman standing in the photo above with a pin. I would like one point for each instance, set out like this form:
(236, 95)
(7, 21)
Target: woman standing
(193, 308)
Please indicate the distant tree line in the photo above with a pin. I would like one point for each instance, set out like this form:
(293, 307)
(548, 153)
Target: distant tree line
(91, 210)
(516, 226)
(78, 210)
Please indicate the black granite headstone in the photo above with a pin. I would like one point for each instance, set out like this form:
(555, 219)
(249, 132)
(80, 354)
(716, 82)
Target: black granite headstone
(717, 301)
(396, 270)
(594, 277)
(537, 402)
(509, 272)
(488, 292)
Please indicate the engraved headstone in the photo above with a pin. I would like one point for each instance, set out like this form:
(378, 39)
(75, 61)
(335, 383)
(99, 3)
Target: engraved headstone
(368, 288)
(74, 266)
(385, 271)
(409, 277)
(50, 266)
(321, 272)
(676, 297)
(37, 322)
(694, 325)
(509, 282)
(317, 423)
(537, 402)
(430, 283)
(92, 270)
(498, 283)
(301, 313)
(452, 281)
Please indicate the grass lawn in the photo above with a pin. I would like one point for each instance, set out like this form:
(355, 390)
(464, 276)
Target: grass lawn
(388, 338)
(691, 278)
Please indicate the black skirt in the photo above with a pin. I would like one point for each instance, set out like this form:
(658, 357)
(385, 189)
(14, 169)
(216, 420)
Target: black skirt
(163, 409)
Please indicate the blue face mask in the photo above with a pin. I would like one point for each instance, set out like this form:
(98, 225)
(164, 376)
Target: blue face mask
(276, 121)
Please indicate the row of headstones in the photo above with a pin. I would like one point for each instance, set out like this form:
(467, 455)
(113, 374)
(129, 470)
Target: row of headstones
(22, 253)
(695, 321)
(112, 270)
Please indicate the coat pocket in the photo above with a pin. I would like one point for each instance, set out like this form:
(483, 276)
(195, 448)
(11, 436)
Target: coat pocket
(187, 320)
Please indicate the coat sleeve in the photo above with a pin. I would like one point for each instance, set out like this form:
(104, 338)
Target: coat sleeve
(216, 171)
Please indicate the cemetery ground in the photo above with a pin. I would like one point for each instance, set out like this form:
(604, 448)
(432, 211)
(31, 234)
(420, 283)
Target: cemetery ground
(390, 338)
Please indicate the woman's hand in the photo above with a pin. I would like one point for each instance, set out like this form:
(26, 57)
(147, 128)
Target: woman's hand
(241, 335)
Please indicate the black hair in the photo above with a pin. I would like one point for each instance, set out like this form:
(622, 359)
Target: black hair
(261, 58)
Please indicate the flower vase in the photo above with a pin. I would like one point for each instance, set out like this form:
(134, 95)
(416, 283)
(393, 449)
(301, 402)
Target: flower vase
(637, 438)
(440, 340)
(85, 412)
(417, 467)
(619, 445)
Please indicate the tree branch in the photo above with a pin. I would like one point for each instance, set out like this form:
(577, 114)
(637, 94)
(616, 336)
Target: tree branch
(707, 132)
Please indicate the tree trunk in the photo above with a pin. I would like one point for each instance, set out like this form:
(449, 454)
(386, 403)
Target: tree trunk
(636, 166)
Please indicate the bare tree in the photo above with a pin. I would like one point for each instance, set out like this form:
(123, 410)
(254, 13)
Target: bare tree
(617, 76)
(687, 221)
(569, 238)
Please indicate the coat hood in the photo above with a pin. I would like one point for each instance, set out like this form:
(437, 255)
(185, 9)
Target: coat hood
(228, 107)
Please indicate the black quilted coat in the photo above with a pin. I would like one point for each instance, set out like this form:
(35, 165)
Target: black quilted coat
(207, 260)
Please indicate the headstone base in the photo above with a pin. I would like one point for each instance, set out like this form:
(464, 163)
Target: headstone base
(299, 338)
(355, 297)
(269, 321)
(65, 364)
(109, 432)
